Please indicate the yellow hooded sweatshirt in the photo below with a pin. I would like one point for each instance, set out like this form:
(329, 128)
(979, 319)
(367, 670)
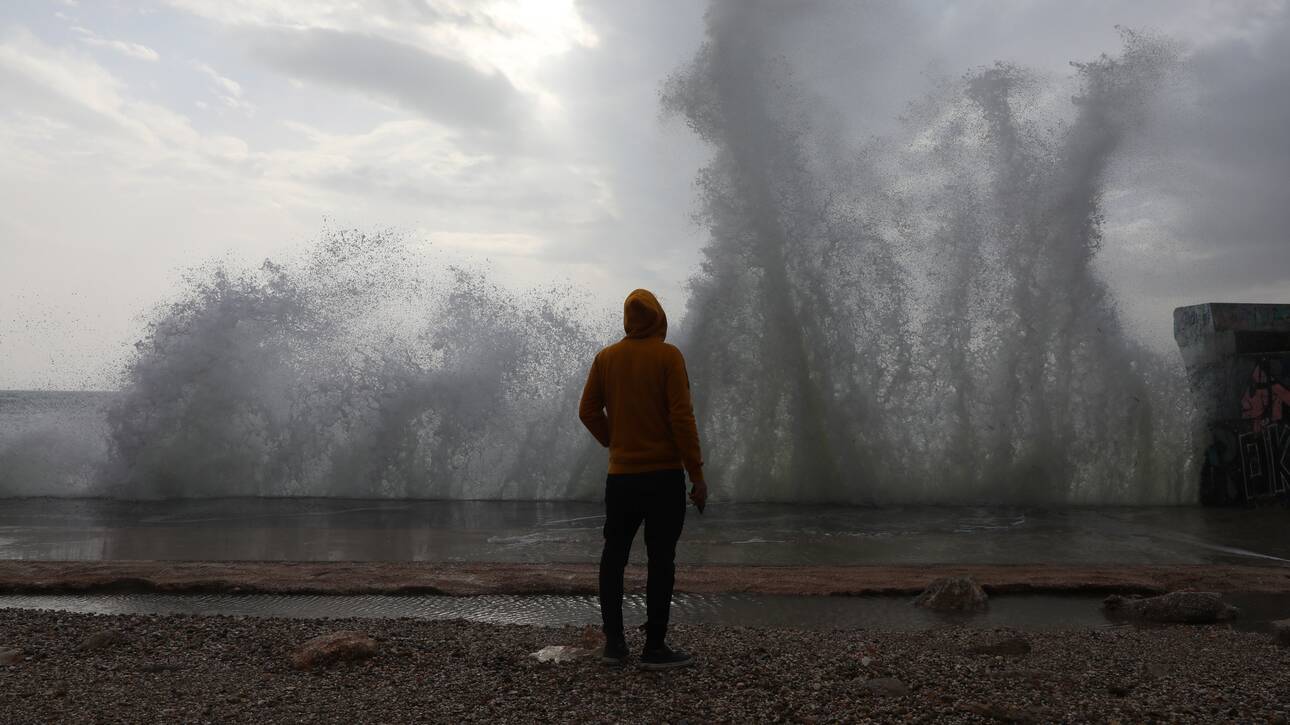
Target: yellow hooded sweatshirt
(641, 381)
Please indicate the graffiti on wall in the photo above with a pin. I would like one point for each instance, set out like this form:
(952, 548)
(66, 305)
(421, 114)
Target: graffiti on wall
(1249, 457)
(1266, 400)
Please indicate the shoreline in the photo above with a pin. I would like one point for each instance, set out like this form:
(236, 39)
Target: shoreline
(466, 579)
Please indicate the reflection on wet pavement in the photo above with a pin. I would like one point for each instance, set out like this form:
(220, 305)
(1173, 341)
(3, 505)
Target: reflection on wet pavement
(868, 612)
(771, 534)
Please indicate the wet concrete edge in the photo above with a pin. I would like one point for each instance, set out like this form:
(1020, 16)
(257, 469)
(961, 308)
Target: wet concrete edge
(464, 579)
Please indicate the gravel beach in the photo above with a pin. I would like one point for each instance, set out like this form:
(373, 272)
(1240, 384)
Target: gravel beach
(127, 668)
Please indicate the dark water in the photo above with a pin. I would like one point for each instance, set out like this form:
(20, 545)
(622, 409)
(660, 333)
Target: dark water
(869, 612)
(378, 530)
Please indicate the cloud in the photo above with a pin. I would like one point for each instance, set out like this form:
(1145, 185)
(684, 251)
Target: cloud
(131, 50)
(503, 244)
(413, 163)
(441, 89)
(510, 35)
(71, 92)
(58, 84)
(227, 90)
(1214, 171)
(229, 85)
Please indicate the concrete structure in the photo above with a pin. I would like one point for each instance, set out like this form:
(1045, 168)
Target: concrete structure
(1238, 361)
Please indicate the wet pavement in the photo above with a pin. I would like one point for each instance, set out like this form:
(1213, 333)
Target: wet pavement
(1031, 612)
(569, 532)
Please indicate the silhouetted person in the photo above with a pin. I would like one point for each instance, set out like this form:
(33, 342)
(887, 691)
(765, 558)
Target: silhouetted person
(637, 404)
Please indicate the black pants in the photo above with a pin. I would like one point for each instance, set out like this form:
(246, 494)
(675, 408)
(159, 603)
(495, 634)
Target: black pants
(656, 498)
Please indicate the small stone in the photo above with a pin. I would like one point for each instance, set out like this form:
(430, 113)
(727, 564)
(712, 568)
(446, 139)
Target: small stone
(10, 656)
(886, 687)
(953, 594)
(332, 647)
(1005, 644)
(1174, 607)
(560, 653)
(1281, 632)
(102, 639)
(592, 638)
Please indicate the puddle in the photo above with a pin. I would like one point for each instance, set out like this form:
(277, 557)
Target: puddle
(1029, 612)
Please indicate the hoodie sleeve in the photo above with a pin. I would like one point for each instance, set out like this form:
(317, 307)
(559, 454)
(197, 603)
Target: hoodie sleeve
(591, 409)
(681, 414)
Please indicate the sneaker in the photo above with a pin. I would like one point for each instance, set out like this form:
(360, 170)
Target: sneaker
(615, 652)
(665, 658)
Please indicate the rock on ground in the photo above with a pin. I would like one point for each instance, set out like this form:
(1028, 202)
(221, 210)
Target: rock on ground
(953, 594)
(886, 687)
(332, 647)
(1001, 643)
(1174, 607)
(102, 639)
(1281, 632)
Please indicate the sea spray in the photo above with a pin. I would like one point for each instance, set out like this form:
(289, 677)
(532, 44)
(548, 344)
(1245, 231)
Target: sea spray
(796, 325)
(909, 316)
(361, 370)
(927, 325)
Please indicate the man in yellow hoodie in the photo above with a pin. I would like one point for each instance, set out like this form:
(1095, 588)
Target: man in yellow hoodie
(637, 404)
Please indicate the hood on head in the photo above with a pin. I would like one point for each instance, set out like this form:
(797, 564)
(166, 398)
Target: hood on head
(643, 316)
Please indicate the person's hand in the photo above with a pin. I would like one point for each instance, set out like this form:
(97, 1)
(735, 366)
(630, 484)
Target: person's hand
(699, 494)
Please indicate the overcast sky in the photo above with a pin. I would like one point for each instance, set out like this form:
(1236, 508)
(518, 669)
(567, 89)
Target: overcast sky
(142, 138)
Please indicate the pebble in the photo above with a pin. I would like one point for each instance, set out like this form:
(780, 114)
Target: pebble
(238, 670)
(101, 639)
(886, 687)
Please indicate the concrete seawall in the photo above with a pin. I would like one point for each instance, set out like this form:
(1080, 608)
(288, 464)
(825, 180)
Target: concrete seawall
(1238, 364)
(485, 578)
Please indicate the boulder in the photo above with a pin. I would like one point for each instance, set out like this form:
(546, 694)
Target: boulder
(10, 656)
(102, 639)
(1281, 632)
(1174, 607)
(332, 647)
(953, 594)
(886, 687)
